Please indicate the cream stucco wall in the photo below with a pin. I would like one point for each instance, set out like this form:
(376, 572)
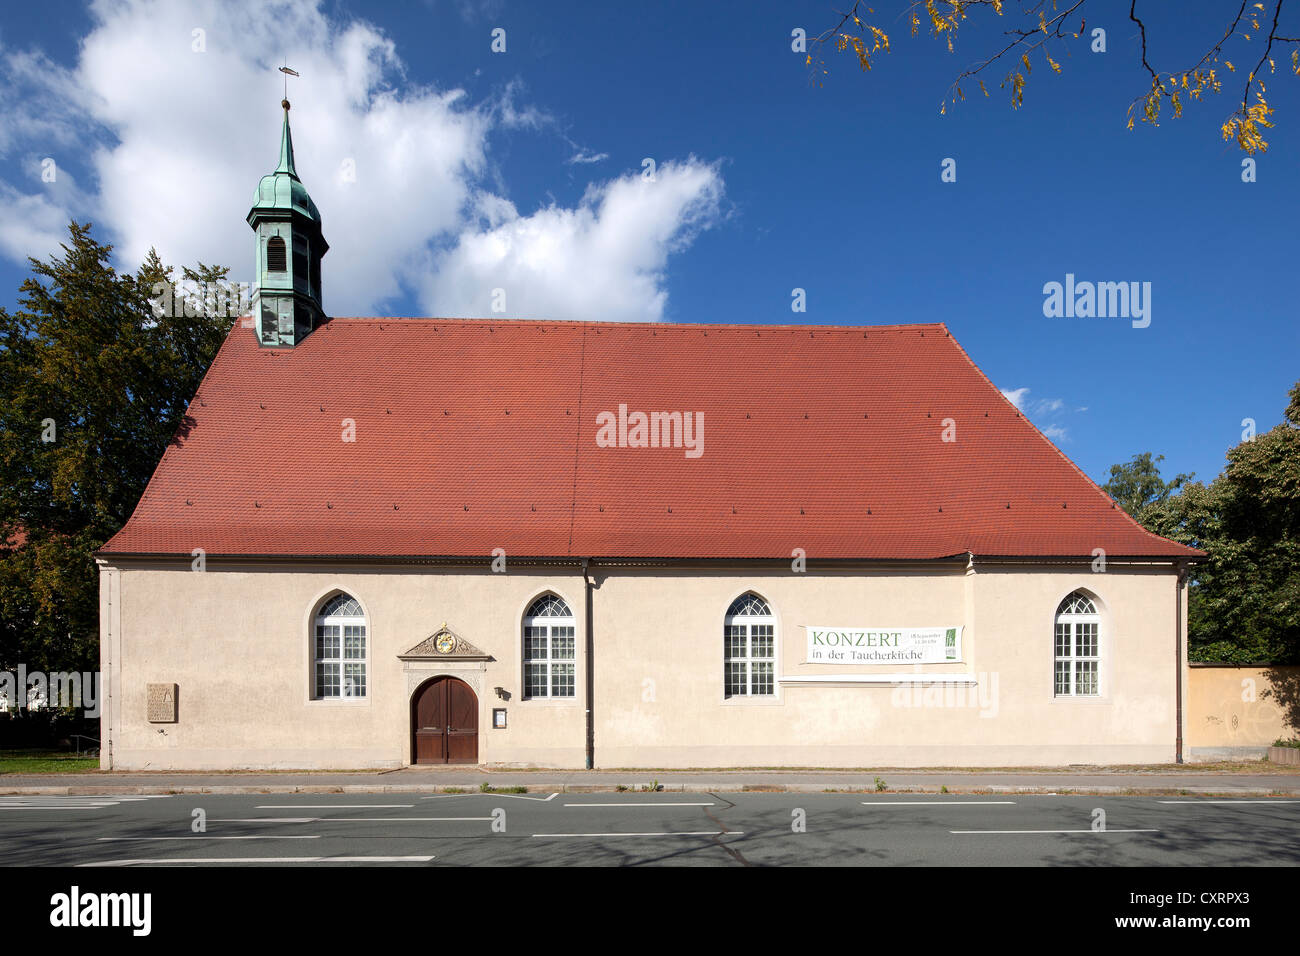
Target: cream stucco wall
(235, 638)
(1238, 712)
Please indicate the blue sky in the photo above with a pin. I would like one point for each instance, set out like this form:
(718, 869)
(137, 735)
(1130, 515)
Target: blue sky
(473, 170)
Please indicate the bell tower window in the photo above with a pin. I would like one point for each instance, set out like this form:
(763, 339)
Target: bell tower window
(275, 255)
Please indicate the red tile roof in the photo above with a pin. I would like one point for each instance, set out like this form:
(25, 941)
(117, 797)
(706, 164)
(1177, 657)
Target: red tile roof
(473, 435)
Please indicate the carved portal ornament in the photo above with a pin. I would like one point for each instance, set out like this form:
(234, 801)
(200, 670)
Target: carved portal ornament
(444, 644)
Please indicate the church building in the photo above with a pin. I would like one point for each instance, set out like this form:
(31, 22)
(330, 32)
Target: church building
(377, 542)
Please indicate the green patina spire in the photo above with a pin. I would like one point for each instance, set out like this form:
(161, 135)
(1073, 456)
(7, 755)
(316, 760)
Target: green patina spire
(287, 299)
(286, 146)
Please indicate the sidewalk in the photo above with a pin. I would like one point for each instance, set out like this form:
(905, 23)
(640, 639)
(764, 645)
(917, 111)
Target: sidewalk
(1187, 781)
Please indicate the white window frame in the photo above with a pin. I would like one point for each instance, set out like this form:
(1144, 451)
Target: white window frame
(748, 660)
(342, 661)
(547, 624)
(1073, 622)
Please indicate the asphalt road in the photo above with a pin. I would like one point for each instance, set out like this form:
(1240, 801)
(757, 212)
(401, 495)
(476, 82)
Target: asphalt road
(647, 829)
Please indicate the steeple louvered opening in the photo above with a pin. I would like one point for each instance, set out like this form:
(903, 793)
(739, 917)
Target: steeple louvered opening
(276, 258)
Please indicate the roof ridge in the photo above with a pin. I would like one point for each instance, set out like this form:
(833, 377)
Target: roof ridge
(686, 326)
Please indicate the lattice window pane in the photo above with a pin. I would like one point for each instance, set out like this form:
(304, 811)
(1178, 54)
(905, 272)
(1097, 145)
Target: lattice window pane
(749, 604)
(354, 641)
(760, 640)
(735, 640)
(1063, 677)
(1077, 603)
(1085, 678)
(341, 605)
(562, 682)
(761, 678)
(327, 679)
(354, 680)
(562, 645)
(1062, 640)
(548, 605)
(736, 682)
(1085, 640)
(327, 641)
(535, 682)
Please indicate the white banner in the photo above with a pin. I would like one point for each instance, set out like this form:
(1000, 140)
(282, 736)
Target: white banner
(885, 645)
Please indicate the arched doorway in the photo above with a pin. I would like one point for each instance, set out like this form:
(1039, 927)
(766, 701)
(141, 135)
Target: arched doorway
(444, 722)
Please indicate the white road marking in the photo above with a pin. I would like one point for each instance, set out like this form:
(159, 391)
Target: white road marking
(398, 819)
(669, 834)
(144, 796)
(261, 859)
(205, 836)
(60, 802)
(937, 803)
(480, 793)
(640, 804)
(264, 820)
(333, 806)
(347, 819)
(1292, 801)
(376, 859)
(50, 802)
(1108, 830)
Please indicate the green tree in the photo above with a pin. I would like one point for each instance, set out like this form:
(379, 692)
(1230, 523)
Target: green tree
(93, 385)
(1136, 485)
(1244, 600)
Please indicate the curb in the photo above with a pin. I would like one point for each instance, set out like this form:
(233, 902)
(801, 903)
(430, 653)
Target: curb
(729, 787)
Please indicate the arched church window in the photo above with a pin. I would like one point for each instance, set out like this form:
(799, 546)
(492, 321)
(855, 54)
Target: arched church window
(749, 648)
(1077, 648)
(550, 648)
(340, 649)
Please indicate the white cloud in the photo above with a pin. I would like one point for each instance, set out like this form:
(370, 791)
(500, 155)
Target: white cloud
(604, 259)
(1016, 396)
(29, 223)
(511, 116)
(582, 157)
(174, 142)
(1040, 408)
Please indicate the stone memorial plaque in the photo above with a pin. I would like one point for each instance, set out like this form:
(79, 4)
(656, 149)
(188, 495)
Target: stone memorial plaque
(162, 703)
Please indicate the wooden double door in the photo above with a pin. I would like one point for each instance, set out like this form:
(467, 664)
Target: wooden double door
(444, 722)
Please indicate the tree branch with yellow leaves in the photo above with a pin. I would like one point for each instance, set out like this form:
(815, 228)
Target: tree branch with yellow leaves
(1044, 23)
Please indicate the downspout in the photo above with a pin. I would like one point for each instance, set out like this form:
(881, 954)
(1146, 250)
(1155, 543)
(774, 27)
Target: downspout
(591, 684)
(1178, 663)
